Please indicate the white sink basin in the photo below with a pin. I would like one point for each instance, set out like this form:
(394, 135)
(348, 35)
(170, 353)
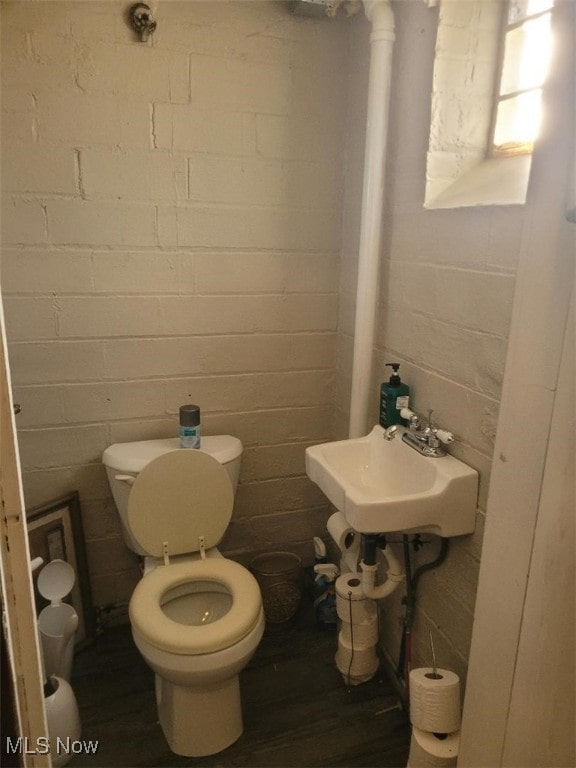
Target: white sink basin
(382, 486)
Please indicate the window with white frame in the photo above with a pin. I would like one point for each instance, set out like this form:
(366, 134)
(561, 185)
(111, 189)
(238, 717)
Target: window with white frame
(526, 51)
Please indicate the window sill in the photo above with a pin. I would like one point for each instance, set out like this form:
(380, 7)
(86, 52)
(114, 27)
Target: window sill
(497, 181)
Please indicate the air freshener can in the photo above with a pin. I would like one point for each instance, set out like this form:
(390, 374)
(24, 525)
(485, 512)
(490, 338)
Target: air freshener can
(190, 429)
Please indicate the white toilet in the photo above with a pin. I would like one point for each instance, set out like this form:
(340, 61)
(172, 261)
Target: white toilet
(196, 617)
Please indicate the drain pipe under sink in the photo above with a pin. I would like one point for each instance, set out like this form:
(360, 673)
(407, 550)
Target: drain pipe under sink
(394, 575)
(379, 13)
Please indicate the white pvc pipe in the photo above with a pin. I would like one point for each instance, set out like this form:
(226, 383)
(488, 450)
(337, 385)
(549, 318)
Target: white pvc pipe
(394, 577)
(380, 15)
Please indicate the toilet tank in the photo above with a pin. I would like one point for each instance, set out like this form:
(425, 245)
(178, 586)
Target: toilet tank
(125, 460)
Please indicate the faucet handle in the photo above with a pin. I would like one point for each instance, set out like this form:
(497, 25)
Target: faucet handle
(437, 435)
(444, 436)
(411, 418)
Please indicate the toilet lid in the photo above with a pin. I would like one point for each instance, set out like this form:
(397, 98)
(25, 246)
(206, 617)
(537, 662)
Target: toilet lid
(177, 498)
(148, 618)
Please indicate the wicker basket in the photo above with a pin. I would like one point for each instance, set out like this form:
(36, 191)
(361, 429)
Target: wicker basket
(279, 575)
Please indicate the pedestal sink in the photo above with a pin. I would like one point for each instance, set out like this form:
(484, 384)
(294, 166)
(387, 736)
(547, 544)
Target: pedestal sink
(381, 486)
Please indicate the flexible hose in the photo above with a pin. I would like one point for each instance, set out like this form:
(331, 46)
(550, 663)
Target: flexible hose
(444, 542)
(404, 658)
(411, 586)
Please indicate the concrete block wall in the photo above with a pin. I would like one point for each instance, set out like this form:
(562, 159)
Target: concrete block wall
(171, 234)
(446, 290)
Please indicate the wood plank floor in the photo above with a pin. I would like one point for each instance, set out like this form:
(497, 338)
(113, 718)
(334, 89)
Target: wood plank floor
(297, 709)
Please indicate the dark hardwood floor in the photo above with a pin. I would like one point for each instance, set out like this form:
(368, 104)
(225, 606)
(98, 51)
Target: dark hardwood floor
(297, 709)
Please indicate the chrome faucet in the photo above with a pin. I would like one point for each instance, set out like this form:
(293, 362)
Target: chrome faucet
(427, 441)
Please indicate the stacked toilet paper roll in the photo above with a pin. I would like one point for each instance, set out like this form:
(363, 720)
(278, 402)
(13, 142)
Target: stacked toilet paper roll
(435, 700)
(347, 541)
(435, 717)
(356, 663)
(428, 750)
(351, 602)
(356, 657)
(360, 634)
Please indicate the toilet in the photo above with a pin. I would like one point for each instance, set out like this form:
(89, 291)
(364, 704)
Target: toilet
(197, 617)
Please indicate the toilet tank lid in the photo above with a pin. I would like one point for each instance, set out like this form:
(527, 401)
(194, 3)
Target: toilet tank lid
(133, 457)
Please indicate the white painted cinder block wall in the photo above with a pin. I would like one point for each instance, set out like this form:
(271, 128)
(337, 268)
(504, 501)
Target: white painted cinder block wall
(447, 282)
(171, 234)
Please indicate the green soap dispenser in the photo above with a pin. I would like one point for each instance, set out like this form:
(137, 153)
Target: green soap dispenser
(394, 395)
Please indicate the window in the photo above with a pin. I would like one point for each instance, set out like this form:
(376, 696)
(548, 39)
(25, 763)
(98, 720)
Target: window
(527, 47)
(490, 65)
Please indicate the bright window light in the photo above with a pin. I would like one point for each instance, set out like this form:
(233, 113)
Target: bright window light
(527, 49)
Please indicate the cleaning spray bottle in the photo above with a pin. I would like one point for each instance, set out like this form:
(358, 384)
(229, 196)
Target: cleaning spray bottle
(394, 395)
(319, 551)
(325, 595)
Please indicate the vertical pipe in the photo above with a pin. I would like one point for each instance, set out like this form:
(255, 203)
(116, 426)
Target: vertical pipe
(380, 15)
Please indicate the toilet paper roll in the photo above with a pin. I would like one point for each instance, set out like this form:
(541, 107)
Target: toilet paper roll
(362, 657)
(349, 587)
(355, 612)
(435, 700)
(429, 751)
(346, 539)
(360, 633)
(352, 605)
(352, 676)
(358, 663)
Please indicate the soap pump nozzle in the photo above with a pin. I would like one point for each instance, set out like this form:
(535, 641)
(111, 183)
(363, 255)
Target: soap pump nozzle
(395, 377)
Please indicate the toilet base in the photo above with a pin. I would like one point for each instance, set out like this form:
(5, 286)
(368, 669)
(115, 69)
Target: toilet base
(199, 721)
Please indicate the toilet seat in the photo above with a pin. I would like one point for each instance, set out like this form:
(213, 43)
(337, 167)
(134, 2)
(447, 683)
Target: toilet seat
(158, 629)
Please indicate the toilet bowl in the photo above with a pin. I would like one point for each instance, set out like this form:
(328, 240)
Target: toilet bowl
(196, 616)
